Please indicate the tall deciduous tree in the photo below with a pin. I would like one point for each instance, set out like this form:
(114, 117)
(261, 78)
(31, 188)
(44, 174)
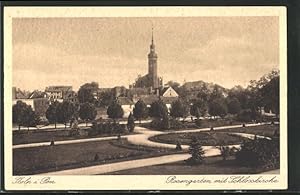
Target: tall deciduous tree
(140, 110)
(115, 111)
(204, 93)
(217, 93)
(218, 107)
(31, 119)
(87, 112)
(86, 92)
(158, 109)
(65, 112)
(179, 109)
(270, 94)
(234, 106)
(51, 113)
(19, 112)
(23, 115)
(106, 98)
(198, 108)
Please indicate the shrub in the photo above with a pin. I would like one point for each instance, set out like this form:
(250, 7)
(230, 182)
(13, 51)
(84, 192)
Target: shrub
(96, 158)
(74, 132)
(259, 152)
(156, 124)
(165, 122)
(108, 128)
(130, 123)
(196, 151)
(92, 132)
(175, 124)
(158, 109)
(198, 122)
(244, 115)
(226, 151)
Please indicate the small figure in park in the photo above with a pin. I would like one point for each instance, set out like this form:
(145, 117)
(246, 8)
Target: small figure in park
(255, 137)
(244, 125)
(119, 137)
(75, 125)
(178, 146)
(96, 158)
(52, 143)
(211, 128)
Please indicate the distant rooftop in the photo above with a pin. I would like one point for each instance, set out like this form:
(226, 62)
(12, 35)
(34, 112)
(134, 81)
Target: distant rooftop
(59, 88)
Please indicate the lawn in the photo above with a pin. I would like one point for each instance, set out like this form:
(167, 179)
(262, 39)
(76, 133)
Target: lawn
(212, 165)
(264, 130)
(206, 138)
(205, 123)
(25, 137)
(34, 160)
(217, 137)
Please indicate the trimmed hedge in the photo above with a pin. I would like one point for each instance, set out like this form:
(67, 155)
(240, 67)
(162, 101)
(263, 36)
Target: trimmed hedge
(161, 124)
(107, 128)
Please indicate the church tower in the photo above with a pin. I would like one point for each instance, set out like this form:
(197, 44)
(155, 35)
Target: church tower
(152, 65)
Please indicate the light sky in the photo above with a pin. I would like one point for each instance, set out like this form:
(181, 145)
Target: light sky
(113, 51)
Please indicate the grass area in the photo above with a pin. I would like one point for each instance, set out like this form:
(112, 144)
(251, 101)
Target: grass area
(264, 130)
(205, 123)
(217, 137)
(35, 160)
(212, 165)
(24, 137)
(209, 138)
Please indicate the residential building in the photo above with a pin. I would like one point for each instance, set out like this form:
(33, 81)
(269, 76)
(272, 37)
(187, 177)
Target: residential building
(58, 93)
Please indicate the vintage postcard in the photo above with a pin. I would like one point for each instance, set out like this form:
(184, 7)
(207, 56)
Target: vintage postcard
(145, 98)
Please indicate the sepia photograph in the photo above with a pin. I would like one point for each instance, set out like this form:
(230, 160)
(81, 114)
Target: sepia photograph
(147, 94)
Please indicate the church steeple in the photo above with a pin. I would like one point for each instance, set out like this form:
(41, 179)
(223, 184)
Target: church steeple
(152, 46)
(152, 64)
(152, 37)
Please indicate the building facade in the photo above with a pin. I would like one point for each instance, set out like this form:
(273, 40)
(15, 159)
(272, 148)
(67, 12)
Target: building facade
(58, 93)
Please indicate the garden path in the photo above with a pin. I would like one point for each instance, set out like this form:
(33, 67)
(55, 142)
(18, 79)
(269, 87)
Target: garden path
(143, 139)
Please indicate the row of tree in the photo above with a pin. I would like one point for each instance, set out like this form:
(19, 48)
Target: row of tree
(262, 93)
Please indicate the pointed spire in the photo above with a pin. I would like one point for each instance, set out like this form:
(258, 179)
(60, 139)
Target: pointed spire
(152, 35)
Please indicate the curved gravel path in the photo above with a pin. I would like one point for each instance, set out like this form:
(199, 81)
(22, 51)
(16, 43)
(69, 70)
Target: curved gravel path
(143, 139)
